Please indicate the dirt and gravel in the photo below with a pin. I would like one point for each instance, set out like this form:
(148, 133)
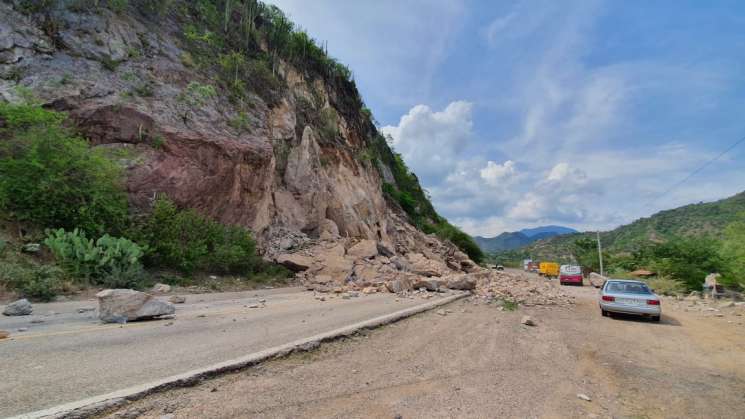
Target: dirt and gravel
(474, 359)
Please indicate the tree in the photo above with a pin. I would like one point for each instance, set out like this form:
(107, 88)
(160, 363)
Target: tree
(733, 252)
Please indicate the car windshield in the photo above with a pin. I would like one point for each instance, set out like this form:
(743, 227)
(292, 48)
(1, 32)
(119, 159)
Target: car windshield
(628, 288)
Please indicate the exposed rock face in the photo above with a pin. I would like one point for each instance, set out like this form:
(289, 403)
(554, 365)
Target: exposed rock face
(312, 203)
(18, 308)
(123, 305)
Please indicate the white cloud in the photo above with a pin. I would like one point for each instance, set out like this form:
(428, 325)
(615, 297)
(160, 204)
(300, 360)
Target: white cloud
(493, 174)
(431, 141)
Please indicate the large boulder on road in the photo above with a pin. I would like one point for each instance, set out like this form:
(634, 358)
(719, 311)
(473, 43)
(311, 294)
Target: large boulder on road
(123, 305)
(18, 308)
(597, 280)
(461, 282)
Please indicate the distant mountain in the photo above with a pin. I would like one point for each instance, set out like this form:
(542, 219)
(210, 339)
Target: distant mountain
(552, 230)
(705, 219)
(517, 239)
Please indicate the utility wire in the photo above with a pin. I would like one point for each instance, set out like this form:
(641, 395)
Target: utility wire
(697, 171)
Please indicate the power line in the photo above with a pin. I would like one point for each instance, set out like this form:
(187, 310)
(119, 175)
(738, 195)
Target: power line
(698, 170)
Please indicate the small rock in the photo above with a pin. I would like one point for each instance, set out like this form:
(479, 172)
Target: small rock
(31, 248)
(161, 288)
(202, 315)
(527, 320)
(177, 299)
(441, 312)
(254, 306)
(4, 334)
(23, 329)
(85, 309)
(213, 277)
(18, 308)
(584, 397)
(169, 324)
(37, 321)
(262, 301)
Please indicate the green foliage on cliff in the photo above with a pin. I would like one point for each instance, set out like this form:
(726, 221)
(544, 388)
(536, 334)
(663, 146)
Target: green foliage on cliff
(189, 242)
(51, 178)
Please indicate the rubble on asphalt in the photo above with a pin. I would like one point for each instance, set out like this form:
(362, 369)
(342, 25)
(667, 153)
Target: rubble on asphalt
(341, 266)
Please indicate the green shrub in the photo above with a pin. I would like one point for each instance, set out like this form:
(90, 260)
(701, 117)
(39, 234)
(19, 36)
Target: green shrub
(51, 178)
(194, 96)
(109, 261)
(38, 282)
(666, 286)
(187, 241)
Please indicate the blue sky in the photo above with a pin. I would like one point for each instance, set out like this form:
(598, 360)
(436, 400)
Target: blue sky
(523, 113)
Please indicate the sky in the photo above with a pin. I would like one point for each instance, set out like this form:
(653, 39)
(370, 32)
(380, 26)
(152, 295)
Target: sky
(516, 114)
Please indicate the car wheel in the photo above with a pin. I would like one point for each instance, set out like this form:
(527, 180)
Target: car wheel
(605, 313)
(656, 318)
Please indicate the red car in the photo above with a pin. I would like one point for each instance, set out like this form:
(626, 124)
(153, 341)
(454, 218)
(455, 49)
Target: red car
(570, 274)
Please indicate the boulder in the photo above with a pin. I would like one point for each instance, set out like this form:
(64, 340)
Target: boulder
(334, 264)
(363, 249)
(400, 263)
(460, 256)
(31, 248)
(386, 249)
(123, 305)
(161, 288)
(177, 299)
(294, 262)
(597, 280)
(428, 284)
(18, 308)
(421, 265)
(328, 230)
(461, 282)
(399, 285)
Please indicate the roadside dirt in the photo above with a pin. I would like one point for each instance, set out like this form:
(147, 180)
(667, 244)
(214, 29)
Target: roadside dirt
(477, 361)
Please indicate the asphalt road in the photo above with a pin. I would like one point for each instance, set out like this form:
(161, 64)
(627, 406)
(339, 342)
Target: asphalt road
(71, 355)
(478, 361)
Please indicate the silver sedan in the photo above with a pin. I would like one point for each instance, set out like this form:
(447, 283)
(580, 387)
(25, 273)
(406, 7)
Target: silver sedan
(629, 297)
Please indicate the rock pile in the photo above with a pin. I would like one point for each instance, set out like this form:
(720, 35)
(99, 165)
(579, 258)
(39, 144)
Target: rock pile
(368, 266)
(522, 289)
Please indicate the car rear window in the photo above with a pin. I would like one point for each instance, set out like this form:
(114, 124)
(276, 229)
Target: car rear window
(627, 288)
(571, 270)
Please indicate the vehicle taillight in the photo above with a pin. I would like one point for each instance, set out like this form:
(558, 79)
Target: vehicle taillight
(608, 298)
(653, 302)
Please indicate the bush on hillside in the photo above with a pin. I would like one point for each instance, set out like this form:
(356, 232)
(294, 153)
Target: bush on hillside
(109, 261)
(188, 242)
(733, 253)
(37, 282)
(684, 259)
(51, 178)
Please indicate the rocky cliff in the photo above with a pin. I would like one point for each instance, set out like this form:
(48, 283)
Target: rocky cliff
(245, 135)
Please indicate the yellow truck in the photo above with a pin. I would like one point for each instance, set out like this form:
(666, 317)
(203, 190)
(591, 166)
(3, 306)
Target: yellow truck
(548, 269)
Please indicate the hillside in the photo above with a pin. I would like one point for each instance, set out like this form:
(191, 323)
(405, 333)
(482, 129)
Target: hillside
(517, 239)
(221, 109)
(695, 220)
